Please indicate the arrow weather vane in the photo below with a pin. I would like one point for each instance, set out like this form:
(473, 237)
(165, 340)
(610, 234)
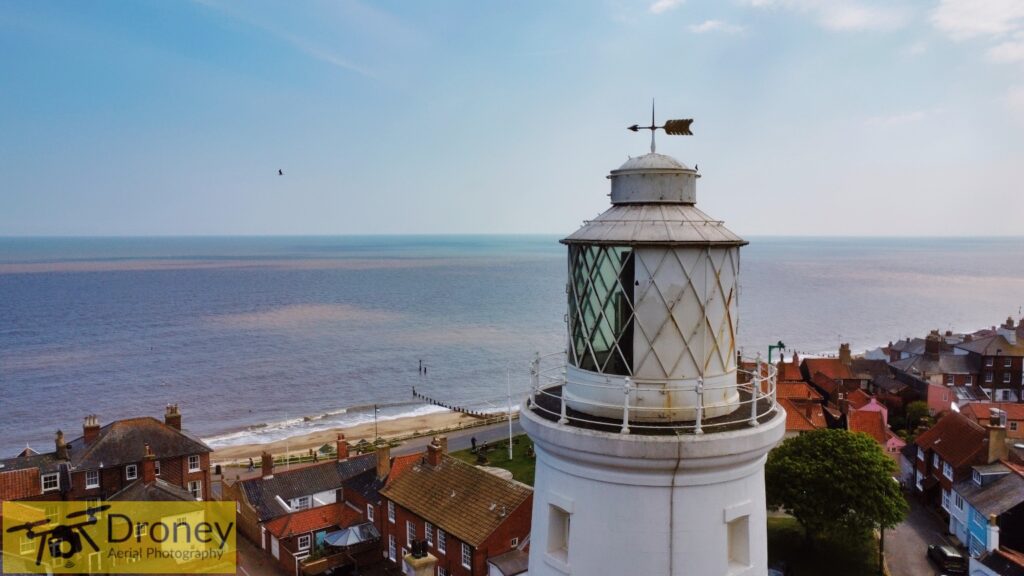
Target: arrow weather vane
(671, 127)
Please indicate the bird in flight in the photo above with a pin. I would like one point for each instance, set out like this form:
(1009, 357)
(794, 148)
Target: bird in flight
(280, 172)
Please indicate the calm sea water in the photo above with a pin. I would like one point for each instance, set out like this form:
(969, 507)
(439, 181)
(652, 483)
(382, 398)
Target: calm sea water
(258, 338)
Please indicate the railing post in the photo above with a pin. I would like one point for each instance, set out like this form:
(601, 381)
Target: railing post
(700, 406)
(534, 377)
(563, 419)
(625, 408)
(755, 392)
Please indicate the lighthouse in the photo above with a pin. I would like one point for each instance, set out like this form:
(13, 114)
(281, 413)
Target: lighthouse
(651, 433)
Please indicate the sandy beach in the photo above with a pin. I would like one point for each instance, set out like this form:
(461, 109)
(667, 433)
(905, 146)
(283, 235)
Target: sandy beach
(386, 428)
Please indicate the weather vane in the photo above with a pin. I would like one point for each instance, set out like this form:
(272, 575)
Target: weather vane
(671, 127)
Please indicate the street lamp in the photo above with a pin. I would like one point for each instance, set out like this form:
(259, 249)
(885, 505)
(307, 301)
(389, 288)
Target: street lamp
(508, 387)
(772, 348)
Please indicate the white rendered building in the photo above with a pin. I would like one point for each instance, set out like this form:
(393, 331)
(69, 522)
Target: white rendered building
(650, 440)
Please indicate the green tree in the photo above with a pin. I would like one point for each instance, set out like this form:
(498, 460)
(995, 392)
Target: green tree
(835, 482)
(917, 414)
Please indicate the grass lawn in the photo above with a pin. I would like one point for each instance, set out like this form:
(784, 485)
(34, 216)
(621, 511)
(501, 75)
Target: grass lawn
(842, 558)
(521, 465)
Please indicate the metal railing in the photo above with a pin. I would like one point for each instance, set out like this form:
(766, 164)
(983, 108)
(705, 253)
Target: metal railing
(756, 387)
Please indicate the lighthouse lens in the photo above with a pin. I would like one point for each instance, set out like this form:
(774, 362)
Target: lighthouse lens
(601, 308)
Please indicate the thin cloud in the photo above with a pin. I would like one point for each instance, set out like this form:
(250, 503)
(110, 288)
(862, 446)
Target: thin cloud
(899, 119)
(1015, 102)
(665, 5)
(966, 19)
(915, 49)
(1008, 51)
(843, 15)
(708, 26)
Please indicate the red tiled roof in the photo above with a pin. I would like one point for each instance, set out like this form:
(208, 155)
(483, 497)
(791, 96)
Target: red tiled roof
(1012, 556)
(858, 398)
(402, 464)
(870, 423)
(956, 438)
(831, 367)
(796, 415)
(978, 411)
(312, 519)
(827, 384)
(789, 372)
(796, 390)
(18, 484)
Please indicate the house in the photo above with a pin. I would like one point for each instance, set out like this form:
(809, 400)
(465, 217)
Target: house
(294, 537)
(979, 412)
(464, 516)
(1000, 358)
(993, 498)
(947, 451)
(803, 407)
(874, 423)
(998, 562)
(839, 370)
(105, 460)
(278, 494)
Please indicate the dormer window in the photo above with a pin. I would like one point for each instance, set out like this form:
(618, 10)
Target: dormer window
(976, 476)
(131, 472)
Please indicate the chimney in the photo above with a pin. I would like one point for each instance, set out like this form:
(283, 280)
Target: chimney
(267, 463)
(148, 466)
(172, 417)
(90, 429)
(807, 410)
(62, 447)
(844, 354)
(993, 533)
(434, 453)
(932, 344)
(796, 359)
(383, 461)
(443, 442)
(342, 446)
(996, 435)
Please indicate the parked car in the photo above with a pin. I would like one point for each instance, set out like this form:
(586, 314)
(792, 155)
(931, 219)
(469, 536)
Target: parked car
(948, 558)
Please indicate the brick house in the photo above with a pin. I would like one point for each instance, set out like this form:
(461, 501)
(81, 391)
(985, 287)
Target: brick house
(287, 513)
(464, 514)
(1000, 360)
(979, 412)
(946, 452)
(107, 459)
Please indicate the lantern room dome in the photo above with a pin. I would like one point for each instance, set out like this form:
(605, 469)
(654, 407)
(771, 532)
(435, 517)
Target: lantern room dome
(652, 161)
(654, 179)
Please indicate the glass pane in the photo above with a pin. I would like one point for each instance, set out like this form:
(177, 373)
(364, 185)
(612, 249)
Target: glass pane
(601, 308)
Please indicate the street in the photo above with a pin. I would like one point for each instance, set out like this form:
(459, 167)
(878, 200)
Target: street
(906, 545)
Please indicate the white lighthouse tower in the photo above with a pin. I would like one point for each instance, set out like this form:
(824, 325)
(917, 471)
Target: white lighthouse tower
(650, 440)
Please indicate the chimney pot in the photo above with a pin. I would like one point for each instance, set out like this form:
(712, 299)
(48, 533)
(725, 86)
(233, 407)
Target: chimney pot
(172, 416)
(90, 428)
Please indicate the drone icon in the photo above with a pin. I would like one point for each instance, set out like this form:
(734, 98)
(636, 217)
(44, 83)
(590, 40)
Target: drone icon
(55, 538)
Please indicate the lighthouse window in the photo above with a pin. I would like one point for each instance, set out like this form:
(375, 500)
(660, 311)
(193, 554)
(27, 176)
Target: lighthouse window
(601, 308)
(739, 543)
(558, 533)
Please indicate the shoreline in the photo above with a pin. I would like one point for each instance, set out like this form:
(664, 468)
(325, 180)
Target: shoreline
(302, 443)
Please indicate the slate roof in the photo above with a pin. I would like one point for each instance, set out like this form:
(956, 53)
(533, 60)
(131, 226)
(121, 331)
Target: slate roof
(511, 563)
(990, 345)
(18, 484)
(156, 491)
(909, 346)
(124, 442)
(305, 481)
(43, 463)
(312, 519)
(925, 366)
(457, 497)
(996, 497)
(366, 485)
(956, 438)
(868, 422)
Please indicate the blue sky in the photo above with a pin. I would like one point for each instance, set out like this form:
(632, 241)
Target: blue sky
(813, 117)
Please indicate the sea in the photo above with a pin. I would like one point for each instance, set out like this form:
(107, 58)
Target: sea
(260, 338)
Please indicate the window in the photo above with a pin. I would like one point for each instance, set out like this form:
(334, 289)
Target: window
(50, 482)
(601, 285)
(428, 533)
(949, 379)
(369, 512)
(1006, 377)
(275, 548)
(410, 533)
(304, 542)
(1007, 362)
(989, 361)
(988, 376)
(441, 571)
(969, 379)
(467, 556)
(936, 461)
(515, 542)
(193, 463)
(920, 454)
(958, 501)
(947, 470)
(301, 503)
(156, 467)
(92, 479)
(976, 476)
(195, 487)
(441, 540)
(131, 472)
(739, 542)
(392, 551)
(558, 533)
(1013, 426)
(945, 500)
(391, 512)
(917, 483)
